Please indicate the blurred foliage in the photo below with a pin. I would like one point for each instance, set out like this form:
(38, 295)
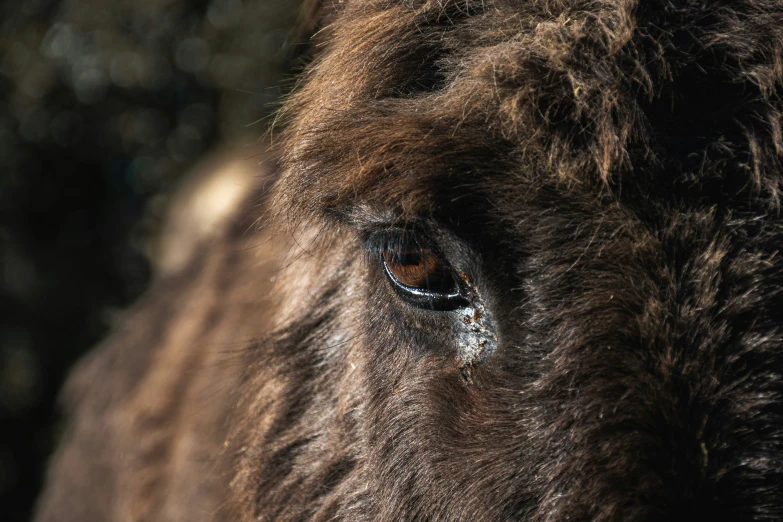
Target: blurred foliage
(104, 105)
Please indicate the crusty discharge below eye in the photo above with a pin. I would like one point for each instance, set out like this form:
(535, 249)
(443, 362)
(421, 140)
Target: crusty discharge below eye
(415, 267)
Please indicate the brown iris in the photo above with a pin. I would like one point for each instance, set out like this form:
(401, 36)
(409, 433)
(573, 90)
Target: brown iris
(415, 267)
(420, 277)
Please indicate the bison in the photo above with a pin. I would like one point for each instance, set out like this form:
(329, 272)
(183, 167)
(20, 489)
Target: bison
(522, 261)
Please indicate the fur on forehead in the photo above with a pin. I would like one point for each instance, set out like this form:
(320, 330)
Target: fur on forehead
(410, 102)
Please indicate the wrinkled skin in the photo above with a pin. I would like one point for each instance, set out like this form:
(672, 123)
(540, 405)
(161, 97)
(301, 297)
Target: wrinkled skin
(604, 180)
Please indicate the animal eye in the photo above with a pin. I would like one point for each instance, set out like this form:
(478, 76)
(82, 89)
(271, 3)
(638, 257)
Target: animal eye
(421, 277)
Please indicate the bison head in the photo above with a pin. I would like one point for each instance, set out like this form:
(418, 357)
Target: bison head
(540, 275)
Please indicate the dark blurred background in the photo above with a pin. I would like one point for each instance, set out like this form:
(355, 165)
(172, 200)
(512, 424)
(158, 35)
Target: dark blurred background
(105, 107)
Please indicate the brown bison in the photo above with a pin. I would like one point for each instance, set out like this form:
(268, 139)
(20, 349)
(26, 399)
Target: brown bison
(534, 272)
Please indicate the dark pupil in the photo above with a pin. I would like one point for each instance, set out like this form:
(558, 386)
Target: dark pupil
(410, 258)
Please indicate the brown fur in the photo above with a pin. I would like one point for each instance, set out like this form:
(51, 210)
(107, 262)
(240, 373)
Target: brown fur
(606, 175)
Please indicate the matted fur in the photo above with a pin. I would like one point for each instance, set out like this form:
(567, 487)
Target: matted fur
(607, 174)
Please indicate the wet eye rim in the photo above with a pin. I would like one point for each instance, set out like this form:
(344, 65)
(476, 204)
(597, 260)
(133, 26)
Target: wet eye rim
(448, 295)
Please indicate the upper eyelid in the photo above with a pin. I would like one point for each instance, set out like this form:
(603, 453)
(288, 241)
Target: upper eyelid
(379, 238)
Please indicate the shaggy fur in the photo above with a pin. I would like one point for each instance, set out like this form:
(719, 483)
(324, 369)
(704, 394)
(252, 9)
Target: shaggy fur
(606, 174)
